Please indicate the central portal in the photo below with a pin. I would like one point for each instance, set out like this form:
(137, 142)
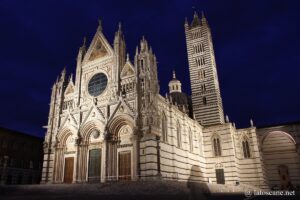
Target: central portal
(125, 165)
(94, 165)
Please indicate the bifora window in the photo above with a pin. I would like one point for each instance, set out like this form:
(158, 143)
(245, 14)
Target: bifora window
(97, 84)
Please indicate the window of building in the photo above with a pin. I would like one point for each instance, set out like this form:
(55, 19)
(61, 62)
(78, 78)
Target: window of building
(201, 47)
(246, 148)
(178, 135)
(67, 104)
(220, 176)
(200, 61)
(30, 164)
(203, 88)
(216, 146)
(164, 128)
(191, 140)
(204, 100)
(201, 74)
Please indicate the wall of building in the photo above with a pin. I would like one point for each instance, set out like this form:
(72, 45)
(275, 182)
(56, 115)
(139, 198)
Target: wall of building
(20, 158)
(280, 147)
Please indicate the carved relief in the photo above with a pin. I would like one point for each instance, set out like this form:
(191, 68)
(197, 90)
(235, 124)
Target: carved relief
(125, 134)
(70, 143)
(98, 51)
(127, 71)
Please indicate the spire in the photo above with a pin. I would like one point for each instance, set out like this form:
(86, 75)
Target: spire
(186, 21)
(251, 123)
(83, 46)
(144, 44)
(227, 119)
(195, 14)
(136, 50)
(63, 74)
(196, 21)
(84, 42)
(71, 77)
(174, 74)
(120, 27)
(203, 18)
(99, 26)
(127, 57)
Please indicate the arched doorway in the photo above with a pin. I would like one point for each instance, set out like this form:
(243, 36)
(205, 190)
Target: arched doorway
(69, 155)
(120, 149)
(281, 159)
(90, 152)
(65, 156)
(283, 172)
(94, 165)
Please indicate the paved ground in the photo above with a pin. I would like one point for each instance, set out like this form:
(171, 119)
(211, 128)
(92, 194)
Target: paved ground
(142, 190)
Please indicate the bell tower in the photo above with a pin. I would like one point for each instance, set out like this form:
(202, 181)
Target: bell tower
(206, 97)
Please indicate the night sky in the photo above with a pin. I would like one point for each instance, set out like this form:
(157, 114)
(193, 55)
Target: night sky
(256, 43)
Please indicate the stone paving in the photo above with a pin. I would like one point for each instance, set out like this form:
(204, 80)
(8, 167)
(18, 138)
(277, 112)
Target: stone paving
(141, 190)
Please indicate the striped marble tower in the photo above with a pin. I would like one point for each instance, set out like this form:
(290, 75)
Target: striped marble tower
(206, 98)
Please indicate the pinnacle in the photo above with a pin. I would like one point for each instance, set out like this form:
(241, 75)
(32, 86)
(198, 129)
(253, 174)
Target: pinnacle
(120, 26)
(174, 74)
(99, 25)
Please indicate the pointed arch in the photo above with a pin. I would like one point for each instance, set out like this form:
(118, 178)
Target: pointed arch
(117, 122)
(216, 145)
(88, 128)
(246, 147)
(63, 135)
(178, 131)
(164, 127)
(191, 140)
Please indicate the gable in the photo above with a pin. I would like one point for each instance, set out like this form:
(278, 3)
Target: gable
(127, 70)
(98, 51)
(99, 48)
(69, 89)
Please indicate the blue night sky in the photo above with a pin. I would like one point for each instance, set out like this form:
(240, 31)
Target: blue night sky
(256, 45)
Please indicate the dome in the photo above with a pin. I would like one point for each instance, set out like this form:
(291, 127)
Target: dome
(174, 84)
(179, 97)
(182, 100)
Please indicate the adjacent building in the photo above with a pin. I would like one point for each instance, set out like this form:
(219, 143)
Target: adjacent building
(21, 157)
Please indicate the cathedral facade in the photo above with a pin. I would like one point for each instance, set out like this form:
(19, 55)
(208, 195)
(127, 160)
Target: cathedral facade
(110, 123)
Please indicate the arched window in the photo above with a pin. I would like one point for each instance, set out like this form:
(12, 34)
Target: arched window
(164, 128)
(191, 140)
(178, 135)
(246, 148)
(204, 100)
(216, 146)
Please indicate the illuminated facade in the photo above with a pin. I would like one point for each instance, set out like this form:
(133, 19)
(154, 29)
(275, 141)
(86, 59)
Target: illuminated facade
(111, 123)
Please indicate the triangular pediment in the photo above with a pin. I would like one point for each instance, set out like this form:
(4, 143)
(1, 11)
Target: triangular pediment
(94, 113)
(99, 48)
(70, 88)
(127, 70)
(68, 120)
(122, 108)
(98, 51)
